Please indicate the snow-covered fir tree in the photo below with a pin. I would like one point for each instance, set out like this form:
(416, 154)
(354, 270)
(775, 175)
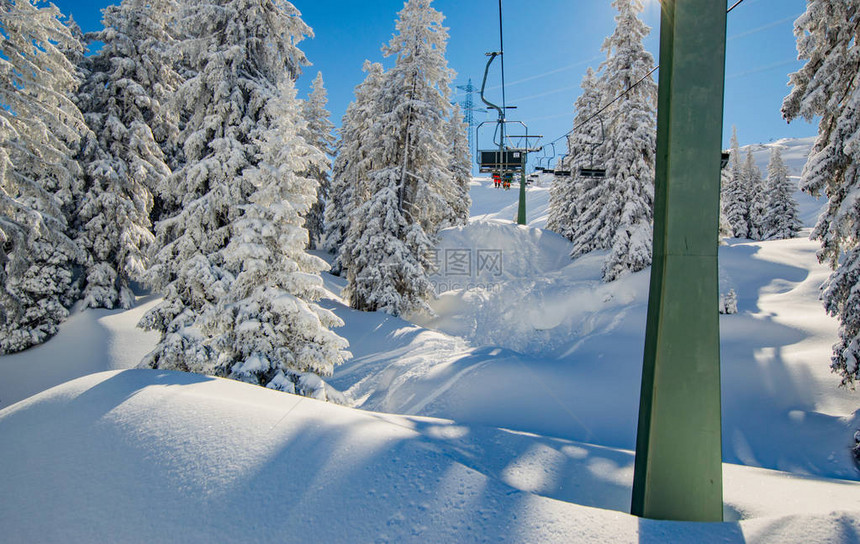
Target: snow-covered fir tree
(618, 212)
(76, 49)
(241, 50)
(734, 194)
(460, 166)
(39, 135)
(122, 100)
(725, 225)
(728, 303)
(782, 217)
(826, 86)
(391, 234)
(352, 162)
(758, 198)
(266, 329)
(567, 194)
(318, 133)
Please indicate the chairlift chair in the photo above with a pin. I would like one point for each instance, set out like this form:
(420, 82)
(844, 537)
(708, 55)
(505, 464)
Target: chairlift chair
(593, 172)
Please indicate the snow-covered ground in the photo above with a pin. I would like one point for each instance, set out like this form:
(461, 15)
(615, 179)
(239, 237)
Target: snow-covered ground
(508, 416)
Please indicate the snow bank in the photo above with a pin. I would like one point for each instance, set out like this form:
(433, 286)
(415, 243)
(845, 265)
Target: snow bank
(515, 287)
(89, 341)
(154, 456)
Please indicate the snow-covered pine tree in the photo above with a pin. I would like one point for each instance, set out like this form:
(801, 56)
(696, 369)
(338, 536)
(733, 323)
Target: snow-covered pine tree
(461, 168)
(584, 143)
(266, 329)
(734, 195)
(782, 219)
(75, 50)
(386, 251)
(241, 49)
(352, 162)
(319, 134)
(758, 198)
(619, 211)
(39, 134)
(121, 99)
(725, 225)
(826, 86)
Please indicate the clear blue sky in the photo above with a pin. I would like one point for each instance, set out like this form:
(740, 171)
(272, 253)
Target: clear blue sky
(548, 45)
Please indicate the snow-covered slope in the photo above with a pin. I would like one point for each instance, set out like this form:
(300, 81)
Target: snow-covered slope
(509, 416)
(155, 456)
(543, 346)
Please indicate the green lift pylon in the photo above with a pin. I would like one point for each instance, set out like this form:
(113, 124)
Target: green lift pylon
(678, 470)
(521, 208)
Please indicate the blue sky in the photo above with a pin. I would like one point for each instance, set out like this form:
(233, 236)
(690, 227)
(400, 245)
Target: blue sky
(548, 46)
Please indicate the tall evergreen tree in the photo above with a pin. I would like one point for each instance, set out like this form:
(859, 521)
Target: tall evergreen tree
(734, 194)
(782, 219)
(387, 246)
(241, 49)
(318, 133)
(618, 214)
(123, 99)
(39, 135)
(725, 225)
(352, 162)
(460, 166)
(828, 38)
(585, 149)
(758, 198)
(266, 329)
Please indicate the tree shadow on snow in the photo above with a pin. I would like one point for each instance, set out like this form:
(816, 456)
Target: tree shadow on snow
(770, 418)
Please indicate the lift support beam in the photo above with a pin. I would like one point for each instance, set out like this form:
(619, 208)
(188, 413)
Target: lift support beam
(678, 470)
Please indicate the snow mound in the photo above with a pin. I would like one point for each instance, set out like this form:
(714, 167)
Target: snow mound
(154, 456)
(90, 340)
(515, 287)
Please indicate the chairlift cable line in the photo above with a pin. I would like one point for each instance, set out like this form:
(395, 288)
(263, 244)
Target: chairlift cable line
(739, 2)
(625, 92)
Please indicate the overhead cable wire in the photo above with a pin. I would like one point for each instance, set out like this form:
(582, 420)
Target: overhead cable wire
(738, 3)
(625, 92)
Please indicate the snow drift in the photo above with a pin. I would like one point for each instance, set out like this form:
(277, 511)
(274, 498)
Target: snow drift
(154, 456)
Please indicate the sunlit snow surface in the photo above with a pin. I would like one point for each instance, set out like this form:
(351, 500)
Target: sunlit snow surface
(517, 407)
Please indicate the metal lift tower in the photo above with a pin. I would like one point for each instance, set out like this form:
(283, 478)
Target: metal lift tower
(678, 472)
(469, 110)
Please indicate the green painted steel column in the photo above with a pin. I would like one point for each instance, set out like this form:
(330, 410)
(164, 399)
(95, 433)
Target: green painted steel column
(678, 473)
(521, 212)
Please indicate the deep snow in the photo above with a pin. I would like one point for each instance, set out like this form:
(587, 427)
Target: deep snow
(509, 416)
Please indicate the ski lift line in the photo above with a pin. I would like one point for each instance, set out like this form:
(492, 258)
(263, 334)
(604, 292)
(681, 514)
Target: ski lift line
(761, 69)
(613, 101)
(763, 28)
(738, 3)
(547, 93)
(626, 91)
(548, 73)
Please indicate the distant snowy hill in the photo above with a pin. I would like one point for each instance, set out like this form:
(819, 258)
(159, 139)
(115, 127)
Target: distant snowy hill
(509, 416)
